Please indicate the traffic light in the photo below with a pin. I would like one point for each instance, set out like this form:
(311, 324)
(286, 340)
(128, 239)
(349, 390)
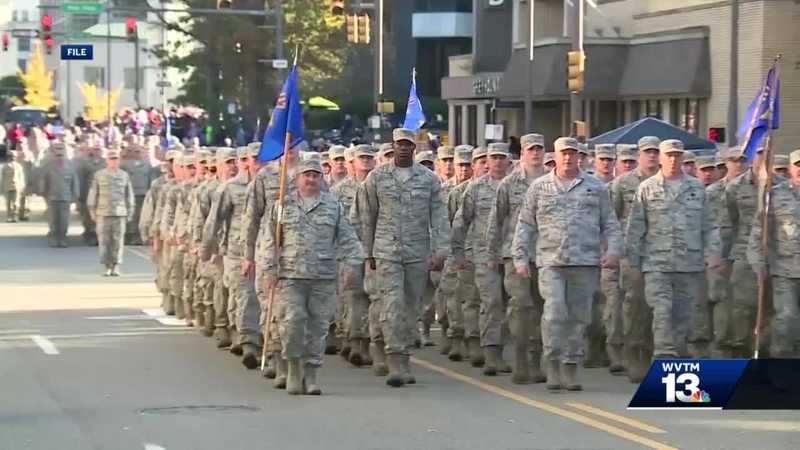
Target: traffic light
(363, 28)
(5, 42)
(49, 42)
(224, 4)
(337, 7)
(352, 28)
(47, 23)
(716, 134)
(575, 68)
(130, 28)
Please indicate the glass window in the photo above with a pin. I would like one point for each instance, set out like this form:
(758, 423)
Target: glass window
(472, 124)
(675, 111)
(24, 15)
(23, 44)
(456, 139)
(14, 15)
(95, 76)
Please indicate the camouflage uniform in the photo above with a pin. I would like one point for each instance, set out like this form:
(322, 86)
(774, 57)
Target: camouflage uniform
(666, 239)
(173, 257)
(463, 280)
(566, 225)
(12, 179)
(209, 273)
(525, 305)
(87, 167)
(782, 263)
(224, 222)
(60, 187)
(182, 230)
(163, 253)
(111, 202)
(140, 173)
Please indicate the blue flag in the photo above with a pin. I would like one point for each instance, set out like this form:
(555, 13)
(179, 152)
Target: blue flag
(762, 114)
(415, 117)
(167, 130)
(287, 117)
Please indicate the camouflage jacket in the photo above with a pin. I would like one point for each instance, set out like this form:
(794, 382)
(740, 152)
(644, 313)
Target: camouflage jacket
(149, 207)
(202, 208)
(566, 226)
(505, 210)
(715, 202)
(223, 227)
(402, 221)
(158, 215)
(111, 194)
(669, 234)
(473, 216)
(60, 183)
(345, 192)
(86, 168)
(183, 214)
(623, 193)
(12, 177)
(169, 209)
(139, 173)
(784, 234)
(312, 240)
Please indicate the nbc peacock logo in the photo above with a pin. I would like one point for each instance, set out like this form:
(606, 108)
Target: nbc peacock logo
(700, 397)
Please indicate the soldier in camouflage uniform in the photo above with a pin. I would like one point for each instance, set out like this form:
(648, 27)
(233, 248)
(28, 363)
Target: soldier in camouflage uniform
(140, 173)
(740, 203)
(87, 167)
(427, 309)
(780, 165)
(445, 168)
(356, 325)
(690, 164)
(60, 187)
(403, 220)
(173, 257)
(224, 221)
(667, 236)
(472, 218)
(626, 159)
(12, 185)
(314, 232)
(636, 314)
(111, 203)
(150, 227)
(525, 305)
(568, 219)
(336, 156)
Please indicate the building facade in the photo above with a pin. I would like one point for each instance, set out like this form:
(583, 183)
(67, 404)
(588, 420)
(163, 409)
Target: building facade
(670, 59)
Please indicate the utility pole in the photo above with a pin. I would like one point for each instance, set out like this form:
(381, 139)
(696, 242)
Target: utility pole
(378, 49)
(575, 98)
(529, 87)
(733, 97)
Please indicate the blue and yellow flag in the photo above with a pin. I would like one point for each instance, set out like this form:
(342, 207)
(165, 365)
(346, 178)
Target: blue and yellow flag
(287, 117)
(415, 117)
(762, 114)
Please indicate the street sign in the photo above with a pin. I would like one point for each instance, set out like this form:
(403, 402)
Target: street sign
(76, 52)
(163, 84)
(280, 63)
(24, 33)
(82, 7)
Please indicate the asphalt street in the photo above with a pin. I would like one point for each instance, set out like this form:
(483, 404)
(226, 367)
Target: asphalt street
(88, 362)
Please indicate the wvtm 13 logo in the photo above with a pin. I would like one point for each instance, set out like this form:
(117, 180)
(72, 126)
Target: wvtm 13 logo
(682, 383)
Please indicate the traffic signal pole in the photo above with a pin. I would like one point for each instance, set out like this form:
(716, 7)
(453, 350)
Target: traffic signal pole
(575, 98)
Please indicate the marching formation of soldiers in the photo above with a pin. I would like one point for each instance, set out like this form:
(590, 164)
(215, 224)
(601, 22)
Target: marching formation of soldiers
(610, 259)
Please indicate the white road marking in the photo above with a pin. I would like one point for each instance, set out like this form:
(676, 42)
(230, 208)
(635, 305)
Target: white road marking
(143, 332)
(123, 317)
(47, 347)
(139, 253)
(751, 425)
(153, 447)
(159, 315)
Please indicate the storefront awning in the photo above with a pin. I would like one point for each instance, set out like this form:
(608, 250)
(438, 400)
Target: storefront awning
(676, 68)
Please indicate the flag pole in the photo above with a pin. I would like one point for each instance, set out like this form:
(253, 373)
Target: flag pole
(765, 200)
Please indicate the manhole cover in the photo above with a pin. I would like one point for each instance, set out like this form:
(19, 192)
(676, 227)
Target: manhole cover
(198, 409)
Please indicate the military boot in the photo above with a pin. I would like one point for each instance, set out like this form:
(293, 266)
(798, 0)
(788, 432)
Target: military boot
(636, 365)
(395, 363)
(179, 313)
(365, 352)
(294, 379)
(379, 367)
(445, 343)
(331, 346)
(569, 377)
(426, 335)
(269, 367)
(199, 319)
(108, 271)
(456, 349)
(537, 376)
(492, 354)
(223, 337)
(280, 372)
(208, 328)
(502, 365)
(615, 357)
(355, 356)
(345, 351)
(553, 376)
(250, 358)
(312, 385)
(167, 304)
(521, 373)
(408, 378)
(236, 344)
(475, 352)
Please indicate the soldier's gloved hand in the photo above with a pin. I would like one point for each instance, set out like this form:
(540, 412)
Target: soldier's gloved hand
(609, 262)
(249, 269)
(714, 262)
(523, 271)
(370, 263)
(435, 263)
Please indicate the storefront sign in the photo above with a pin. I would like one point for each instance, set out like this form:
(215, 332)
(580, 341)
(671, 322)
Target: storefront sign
(485, 86)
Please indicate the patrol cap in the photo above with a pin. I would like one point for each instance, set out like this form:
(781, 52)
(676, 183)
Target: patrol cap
(671, 146)
(363, 150)
(649, 143)
(794, 157)
(734, 153)
(549, 157)
(350, 154)
(689, 157)
(627, 152)
(565, 143)
(188, 160)
(324, 157)
(309, 165)
(605, 151)
(445, 152)
(203, 155)
(706, 162)
(531, 139)
(780, 162)
(241, 152)
(583, 148)
(464, 147)
(253, 148)
(225, 154)
(720, 160)
(311, 155)
(403, 134)
(385, 149)
(112, 153)
(424, 156)
(336, 151)
(498, 148)
(463, 155)
(478, 152)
